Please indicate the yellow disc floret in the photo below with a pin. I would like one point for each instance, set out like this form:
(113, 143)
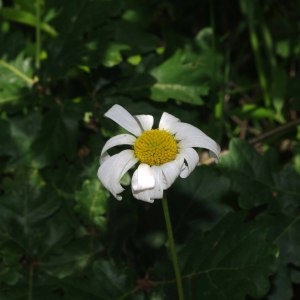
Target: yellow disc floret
(155, 147)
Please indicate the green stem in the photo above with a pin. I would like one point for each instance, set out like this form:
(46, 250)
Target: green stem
(268, 44)
(256, 51)
(30, 282)
(171, 245)
(38, 34)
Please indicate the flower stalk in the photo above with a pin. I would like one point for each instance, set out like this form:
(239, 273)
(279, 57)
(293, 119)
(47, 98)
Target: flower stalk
(171, 245)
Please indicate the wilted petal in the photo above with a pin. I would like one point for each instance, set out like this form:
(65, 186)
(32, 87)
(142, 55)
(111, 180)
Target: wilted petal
(192, 158)
(168, 122)
(112, 170)
(191, 136)
(146, 121)
(171, 171)
(122, 117)
(156, 192)
(121, 139)
(143, 178)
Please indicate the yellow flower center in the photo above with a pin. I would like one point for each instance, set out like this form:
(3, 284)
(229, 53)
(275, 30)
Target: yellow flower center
(155, 147)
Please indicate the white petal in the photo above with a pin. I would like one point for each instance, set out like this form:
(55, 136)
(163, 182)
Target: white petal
(192, 158)
(171, 171)
(146, 121)
(122, 117)
(145, 195)
(121, 139)
(143, 178)
(167, 122)
(191, 136)
(112, 170)
(156, 192)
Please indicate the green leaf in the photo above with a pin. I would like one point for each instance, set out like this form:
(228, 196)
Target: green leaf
(179, 78)
(15, 78)
(115, 279)
(87, 36)
(24, 207)
(278, 89)
(135, 36)
(282, 289)
(284, 232)
(56, 137)
(288, 189)
(26, 18)
(231, 261)
(201, 192)
(113, 55)
(77, 17)
(251, 174)
(18, 134)
(252, 111)
(91, 202)
(105, 280)
(69, 259)
(10, 267)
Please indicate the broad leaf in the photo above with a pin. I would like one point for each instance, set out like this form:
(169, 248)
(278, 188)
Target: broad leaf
(231, 261)
(56, 137)
(15, 78)
(179, 78)
(91, 202)
(251, 173)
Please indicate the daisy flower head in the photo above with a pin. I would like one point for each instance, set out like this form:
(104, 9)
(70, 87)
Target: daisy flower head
(161, 154)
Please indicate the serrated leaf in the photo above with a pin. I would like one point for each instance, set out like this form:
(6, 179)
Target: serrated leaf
(231, 261)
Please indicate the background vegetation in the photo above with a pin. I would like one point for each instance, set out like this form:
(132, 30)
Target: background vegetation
(230, 68)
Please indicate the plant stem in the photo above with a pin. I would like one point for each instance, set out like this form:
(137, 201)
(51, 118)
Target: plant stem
(256, 51)
(30, 282)
(38, 34)
(171, 245)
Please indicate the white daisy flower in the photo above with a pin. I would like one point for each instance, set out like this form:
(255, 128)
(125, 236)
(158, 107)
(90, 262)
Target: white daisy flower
(162, 154)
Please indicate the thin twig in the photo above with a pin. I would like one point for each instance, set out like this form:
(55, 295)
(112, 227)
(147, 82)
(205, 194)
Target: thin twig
(274, 131)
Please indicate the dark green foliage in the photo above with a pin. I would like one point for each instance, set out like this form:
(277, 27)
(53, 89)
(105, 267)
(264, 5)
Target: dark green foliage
(230, 261)
(230, 68)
